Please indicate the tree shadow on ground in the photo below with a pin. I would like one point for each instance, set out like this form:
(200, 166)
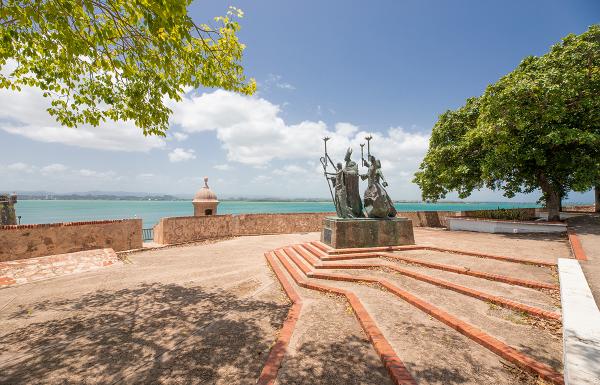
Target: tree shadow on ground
(153, 333)
(585, 224)
(346, 361)
(442, 356)
(543, 356)
(542, 237)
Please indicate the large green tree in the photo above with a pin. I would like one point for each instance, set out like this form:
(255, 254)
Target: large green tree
(117, 59)
(536, 128)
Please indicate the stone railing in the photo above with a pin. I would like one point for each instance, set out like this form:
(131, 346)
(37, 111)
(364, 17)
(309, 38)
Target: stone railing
(28, 241)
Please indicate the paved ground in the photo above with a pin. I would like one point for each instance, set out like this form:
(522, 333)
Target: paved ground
(209, 314)
(588, 230)
(185, 315)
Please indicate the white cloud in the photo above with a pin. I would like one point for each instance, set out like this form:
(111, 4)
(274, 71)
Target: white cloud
(24, 113)
(260, 179)
(97, 174)
(345, 129)
(180, 136)
(252, 132)
(53, 169)
(180, 155)
(20, 167)
(59, 171)
(286, 86)
(145, 175)
(222, 167)
(290, 169)
(276, 80)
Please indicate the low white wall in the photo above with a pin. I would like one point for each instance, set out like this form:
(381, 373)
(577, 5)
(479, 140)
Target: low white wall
(493, 226)
(581, 325)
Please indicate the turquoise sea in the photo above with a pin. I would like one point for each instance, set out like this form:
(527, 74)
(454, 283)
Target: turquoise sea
(50, 211)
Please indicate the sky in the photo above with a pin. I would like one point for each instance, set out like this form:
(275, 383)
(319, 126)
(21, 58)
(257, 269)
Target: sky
(344, 69)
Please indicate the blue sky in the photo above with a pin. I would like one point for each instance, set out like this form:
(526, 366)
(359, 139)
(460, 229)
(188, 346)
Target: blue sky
(342, 68)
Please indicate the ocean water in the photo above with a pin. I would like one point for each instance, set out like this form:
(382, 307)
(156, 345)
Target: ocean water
(51, 211)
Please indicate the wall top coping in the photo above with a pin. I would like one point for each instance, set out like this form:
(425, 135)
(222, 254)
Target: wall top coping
(65, 224)
(541, 223)
(202, 217)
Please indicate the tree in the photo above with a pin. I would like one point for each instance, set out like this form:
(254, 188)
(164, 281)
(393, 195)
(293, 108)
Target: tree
(537, 128)
(454, 157)
(116, 59)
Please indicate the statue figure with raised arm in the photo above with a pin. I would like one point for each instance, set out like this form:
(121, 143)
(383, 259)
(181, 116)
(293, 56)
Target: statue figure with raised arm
(377, 201)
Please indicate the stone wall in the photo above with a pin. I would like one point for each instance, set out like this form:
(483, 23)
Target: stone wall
(253, 224)
(187, 229)
(429, 218)
(28, 241)
(173, 230)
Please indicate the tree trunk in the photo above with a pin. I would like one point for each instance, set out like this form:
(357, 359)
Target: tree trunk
(552, 198)
(597, 193)
(560, 208)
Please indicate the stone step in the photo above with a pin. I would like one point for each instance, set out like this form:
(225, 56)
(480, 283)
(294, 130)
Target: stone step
(489, 295)
(469, 330)
(392, 363)
(325, 346)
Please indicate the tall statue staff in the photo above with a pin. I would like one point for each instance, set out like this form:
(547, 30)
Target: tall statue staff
(324, 160)
(362, 153)
(368, 139)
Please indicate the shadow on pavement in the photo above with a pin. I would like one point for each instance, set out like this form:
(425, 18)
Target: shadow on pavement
(346, 362)
(154, 333)
(586, 224)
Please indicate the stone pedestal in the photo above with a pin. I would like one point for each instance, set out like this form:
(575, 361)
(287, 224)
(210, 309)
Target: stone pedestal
(366, 232)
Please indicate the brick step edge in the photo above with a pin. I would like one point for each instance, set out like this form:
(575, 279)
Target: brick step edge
(395, 367)
(312, 259)
(269, 372)
(491, 343)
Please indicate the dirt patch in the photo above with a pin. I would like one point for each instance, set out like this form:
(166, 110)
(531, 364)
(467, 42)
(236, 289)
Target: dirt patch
(245, 287)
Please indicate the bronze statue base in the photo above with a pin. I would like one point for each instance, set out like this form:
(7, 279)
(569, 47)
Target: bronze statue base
(367, 232)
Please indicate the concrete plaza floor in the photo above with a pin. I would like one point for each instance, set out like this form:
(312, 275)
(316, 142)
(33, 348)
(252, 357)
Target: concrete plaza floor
(587, 228)
(209, 314)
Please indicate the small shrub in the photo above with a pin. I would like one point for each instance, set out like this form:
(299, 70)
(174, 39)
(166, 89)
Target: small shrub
(503, 214)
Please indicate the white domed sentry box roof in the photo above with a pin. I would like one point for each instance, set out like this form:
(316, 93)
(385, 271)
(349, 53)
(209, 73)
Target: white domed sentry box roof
(205, 193)
(205, 201)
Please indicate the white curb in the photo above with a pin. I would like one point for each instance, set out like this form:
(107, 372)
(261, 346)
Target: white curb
(581, 326)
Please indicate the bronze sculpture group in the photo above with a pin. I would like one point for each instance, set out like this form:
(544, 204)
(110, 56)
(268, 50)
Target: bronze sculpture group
(344, 182)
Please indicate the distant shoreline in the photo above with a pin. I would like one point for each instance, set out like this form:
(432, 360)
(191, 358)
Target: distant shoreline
(274, 200)
(171, 198)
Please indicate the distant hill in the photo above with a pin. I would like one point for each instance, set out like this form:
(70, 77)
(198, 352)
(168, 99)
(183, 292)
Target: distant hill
(96, 195)
(137, 196)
